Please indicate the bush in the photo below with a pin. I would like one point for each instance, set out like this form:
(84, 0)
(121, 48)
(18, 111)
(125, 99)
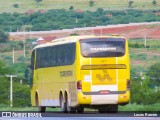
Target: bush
(21, 95)
(74, 34)
(91, 3)
(139, 56)
(136, 45)
(142, 94)
(22, 59)
(154, 2)
(16, 5)
(130, 3)
(71, 8)
(4, 91)
(154, 74)
(3, 36)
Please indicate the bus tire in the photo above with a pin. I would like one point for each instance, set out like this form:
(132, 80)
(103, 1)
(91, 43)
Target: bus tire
(62, 104)
(69, 108)
(113, 109)
(80, 109)
(108, 109)
(40, 108)
(102, 110)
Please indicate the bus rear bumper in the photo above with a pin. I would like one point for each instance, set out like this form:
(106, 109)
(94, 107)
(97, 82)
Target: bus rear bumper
(103, 99)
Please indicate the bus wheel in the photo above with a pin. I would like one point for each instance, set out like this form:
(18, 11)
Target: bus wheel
(112, 109)
(102, 110)
(40, 108)
(69, 108)
(80, 109)
(62, 104)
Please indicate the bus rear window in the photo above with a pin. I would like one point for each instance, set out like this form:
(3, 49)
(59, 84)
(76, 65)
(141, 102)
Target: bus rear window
(103, 47)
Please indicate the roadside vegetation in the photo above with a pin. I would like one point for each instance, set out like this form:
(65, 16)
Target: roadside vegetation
(58, 19)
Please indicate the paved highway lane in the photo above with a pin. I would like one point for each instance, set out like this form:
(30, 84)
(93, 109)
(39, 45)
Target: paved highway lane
(85, 116)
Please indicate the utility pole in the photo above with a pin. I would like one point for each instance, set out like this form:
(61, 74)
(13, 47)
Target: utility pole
(30, 33)
(145, 40)
(11, 88)
(24, 49)
(13, 54)
(92, 31)
(155, 88)
(10, 29)
(101, 31)
(17, 29)
(76, 20)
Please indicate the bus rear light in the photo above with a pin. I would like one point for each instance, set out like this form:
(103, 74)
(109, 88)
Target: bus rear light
(128, 84)
(104, 92)
(79, 85)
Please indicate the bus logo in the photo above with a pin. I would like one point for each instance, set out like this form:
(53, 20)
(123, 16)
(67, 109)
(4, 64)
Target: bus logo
(104, 77)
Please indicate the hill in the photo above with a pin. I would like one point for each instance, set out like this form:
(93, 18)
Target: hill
(22, 6)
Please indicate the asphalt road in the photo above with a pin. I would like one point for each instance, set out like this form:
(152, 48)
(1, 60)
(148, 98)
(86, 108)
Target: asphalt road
(84, 118)
(65, 116)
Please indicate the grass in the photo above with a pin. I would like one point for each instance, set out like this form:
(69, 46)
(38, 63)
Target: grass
(135, 107)
(24, 5)
(26, 109)
(152, 44)
(142, 58)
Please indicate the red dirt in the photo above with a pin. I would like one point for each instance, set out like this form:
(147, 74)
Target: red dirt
(134, 31)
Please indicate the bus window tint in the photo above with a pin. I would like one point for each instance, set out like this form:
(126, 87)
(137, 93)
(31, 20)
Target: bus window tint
(32, 60)
(58, 55)
(104, 47)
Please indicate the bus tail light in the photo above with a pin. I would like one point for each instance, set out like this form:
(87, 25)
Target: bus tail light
(79, 85)
(104, 92)
(128, 84)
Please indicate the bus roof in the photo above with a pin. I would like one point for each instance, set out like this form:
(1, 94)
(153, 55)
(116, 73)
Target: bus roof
(72, 39)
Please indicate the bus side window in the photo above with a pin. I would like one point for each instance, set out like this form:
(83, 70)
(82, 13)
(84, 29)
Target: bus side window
(38, 58)
(72, 52)
(32, 60)
(66, 54)
(32, 68)
(53, 54)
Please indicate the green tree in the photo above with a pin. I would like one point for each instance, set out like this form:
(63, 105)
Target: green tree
(21, 92)
(16, 5)
(91, 3)
(130, 3)
(4, 69)
(21, 95)
(38, 1)
(71, 7)
(154, 2)
(3, 36)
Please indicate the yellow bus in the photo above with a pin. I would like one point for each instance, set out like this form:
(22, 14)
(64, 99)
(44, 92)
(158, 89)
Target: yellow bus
(80, 72)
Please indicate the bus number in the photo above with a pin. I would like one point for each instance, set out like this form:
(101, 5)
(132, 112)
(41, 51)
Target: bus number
(66, 73)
